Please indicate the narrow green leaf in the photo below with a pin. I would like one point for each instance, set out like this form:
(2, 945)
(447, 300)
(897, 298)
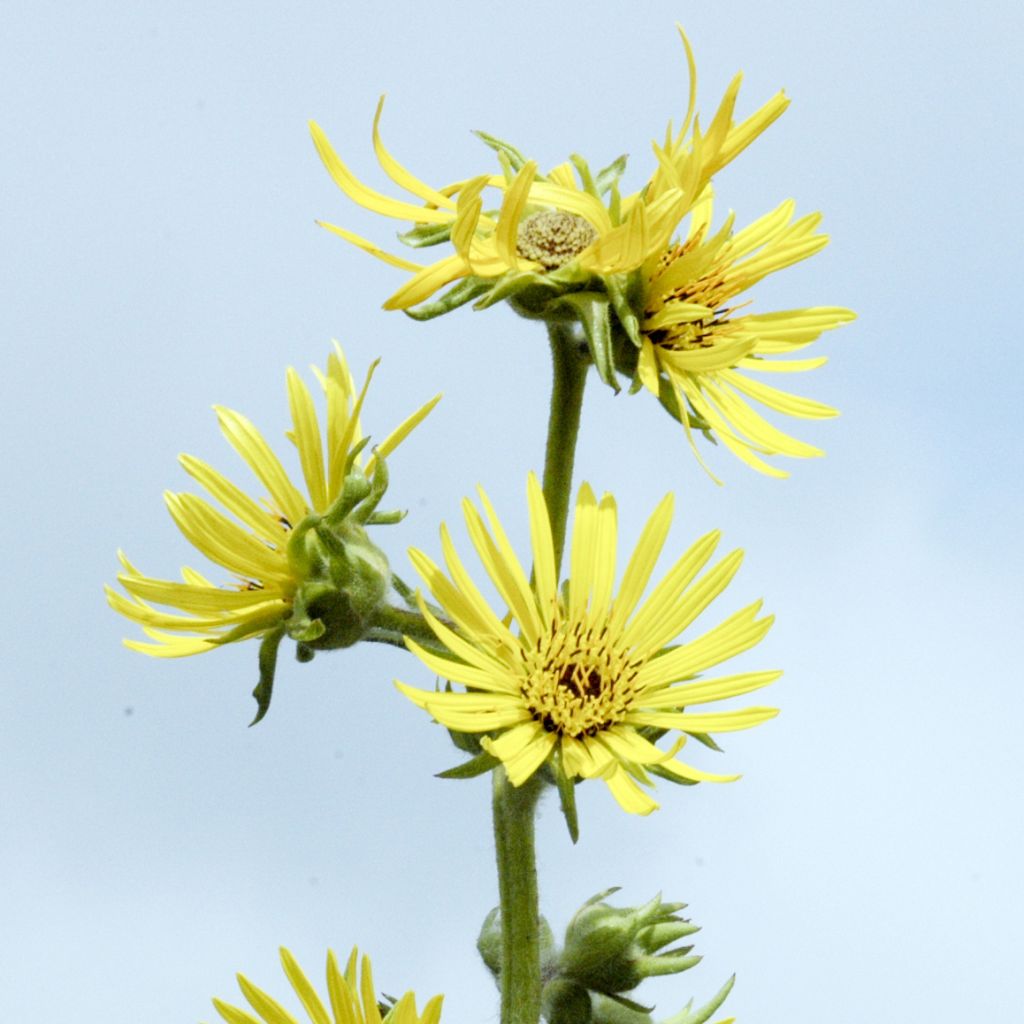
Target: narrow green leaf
(268, 665)
(591, 309)
(465, 291)
(566, 796)
(470, 769)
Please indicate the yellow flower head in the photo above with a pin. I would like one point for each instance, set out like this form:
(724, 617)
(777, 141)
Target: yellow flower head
(696, 351)
(352, 999)
(256, 542)
(566, 231)
(579, 676)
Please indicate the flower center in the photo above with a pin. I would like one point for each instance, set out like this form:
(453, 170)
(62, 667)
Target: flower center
(706, 290)
(553, 238)
(579, 681)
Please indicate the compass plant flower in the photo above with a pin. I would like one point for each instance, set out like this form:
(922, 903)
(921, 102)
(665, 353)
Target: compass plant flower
(351, 998)
(300, 561)
(701, 357)
(560, 245)
(576, 677)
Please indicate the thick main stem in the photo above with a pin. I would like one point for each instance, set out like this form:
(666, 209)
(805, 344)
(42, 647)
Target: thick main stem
(514, 806)
(517, 891)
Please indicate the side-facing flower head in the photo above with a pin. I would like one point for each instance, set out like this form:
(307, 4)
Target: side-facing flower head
(578, 676)
(696, 352)
(561, 233)
(352, 998)
(300, 562)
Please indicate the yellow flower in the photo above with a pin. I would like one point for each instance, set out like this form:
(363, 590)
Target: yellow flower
(552, 232)
(693, 341)
(254, 546)
(352, 999)
(585, 679)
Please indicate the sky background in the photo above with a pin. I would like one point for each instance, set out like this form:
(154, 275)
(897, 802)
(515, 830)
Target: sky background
(158, 192)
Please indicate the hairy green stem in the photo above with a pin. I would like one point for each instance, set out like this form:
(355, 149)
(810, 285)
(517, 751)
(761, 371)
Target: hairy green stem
(400, 622)
(570, 375)
(517, 888)
(514, 806)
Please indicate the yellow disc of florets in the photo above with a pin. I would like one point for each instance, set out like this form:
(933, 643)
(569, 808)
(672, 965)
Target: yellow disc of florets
(579, 680)
(553, 238)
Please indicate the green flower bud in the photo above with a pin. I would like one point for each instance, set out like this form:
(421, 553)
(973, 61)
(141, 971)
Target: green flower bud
(565, 1002)
(343, 576)
(612, 949)
(489, 945)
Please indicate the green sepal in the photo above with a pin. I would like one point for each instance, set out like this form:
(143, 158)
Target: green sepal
(513, 283)
(458, 295)
(629, 1004)
(566, 795)
(386, 518)
(609, 176)
(704, 1013)
(620, 288)
(483, 762)
(424, 235)
(378, 488)
(268, 665)
(670, 403)
(706, 740)
(587, 179)
(664, 773)
(608, 1011)
(515, 159)
(591, 310)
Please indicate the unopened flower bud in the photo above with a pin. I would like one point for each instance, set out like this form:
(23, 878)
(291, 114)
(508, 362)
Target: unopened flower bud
(344, 577)
(612, 949)
(489, 944)
(565, 1002)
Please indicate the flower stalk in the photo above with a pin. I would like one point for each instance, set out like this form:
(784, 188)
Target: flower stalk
(570, 366)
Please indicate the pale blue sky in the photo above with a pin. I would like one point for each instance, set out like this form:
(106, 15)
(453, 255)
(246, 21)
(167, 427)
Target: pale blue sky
(157, 197)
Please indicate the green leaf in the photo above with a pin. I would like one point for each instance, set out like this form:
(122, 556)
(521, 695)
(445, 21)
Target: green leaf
(471, 769)
(268, 665)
